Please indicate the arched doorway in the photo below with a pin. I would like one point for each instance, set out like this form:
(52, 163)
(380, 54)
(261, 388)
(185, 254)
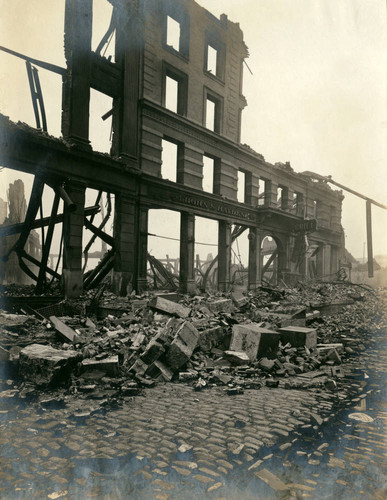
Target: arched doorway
(269, 260)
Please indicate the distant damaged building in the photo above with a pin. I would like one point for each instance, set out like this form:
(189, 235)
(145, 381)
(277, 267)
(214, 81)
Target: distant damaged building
(176, 78)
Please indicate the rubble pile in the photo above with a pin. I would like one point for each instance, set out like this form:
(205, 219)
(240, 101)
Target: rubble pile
(239, 341)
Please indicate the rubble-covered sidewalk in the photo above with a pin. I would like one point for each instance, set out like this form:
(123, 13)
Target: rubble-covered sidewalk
(188, 395)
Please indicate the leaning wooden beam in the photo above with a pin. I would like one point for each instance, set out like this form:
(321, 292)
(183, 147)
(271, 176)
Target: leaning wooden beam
(37, 62)
(100, 227)
(269, 262)
(25, 268)
(100, 234)
(37, 263)
(18, 228)
(97, 269)
(33, 207)
(47, 246)
(108, 266)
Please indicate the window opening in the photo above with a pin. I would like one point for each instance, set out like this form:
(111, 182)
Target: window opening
(208, 174)
(210, 114)
(169, 160)
(171, 94)
(261, 192)
(173, 33)
(241, 187)
(212, 60)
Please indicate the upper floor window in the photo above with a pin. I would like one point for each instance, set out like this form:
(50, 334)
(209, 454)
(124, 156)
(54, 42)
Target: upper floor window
(241, 195)
(173, 33)
(213, 109)
(175, 89)
(208, 174)
(169, 160)
(214, 57)
(176, 30)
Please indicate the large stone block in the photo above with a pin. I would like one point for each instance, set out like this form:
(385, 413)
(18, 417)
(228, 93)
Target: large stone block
(108, 365)
(279, 319)
(237, 358)
(169, 307)
(221, 305)
(167, 334)
(152, 352)
(182, 346)
(298, 336)
(253, 340)
(210, 338)
(45, 365)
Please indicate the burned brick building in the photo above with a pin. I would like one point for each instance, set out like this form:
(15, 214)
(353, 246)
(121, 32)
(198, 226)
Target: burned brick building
(175, 78)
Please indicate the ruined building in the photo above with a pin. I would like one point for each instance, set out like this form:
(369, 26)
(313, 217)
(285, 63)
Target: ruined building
(14, 212)
(176, 77)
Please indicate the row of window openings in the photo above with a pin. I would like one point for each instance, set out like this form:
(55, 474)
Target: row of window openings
(169, 171)
(176, 101)
(213, 62)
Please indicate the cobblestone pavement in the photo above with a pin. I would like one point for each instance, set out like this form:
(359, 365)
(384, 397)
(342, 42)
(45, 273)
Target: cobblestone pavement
(174, 443)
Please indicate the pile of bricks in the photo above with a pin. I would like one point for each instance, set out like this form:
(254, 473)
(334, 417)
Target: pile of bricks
(238, 342)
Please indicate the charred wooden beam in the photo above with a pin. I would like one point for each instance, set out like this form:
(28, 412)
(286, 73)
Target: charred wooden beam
(269, 262)
(99, 233)
(34, 261)
(89, 280)
(47, 245)
(18, 227)
(42, 64)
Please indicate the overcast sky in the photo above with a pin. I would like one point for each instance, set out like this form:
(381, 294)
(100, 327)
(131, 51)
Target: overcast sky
(316, 98)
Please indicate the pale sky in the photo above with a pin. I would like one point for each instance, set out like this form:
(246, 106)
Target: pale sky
(317, 96)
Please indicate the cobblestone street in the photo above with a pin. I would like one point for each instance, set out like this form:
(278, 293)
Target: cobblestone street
(176, 443)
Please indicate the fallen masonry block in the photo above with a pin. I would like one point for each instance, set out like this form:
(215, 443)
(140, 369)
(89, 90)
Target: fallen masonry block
(44, 365)
(238, 358)
(108, 365)
(152, 352)
(139, 367)
(138, 304)
(221, 377)
(184, 376)
(337, 371)
(272, 383)
(65, 332)
(221, 305)
(239, 299)
(334, 356)
(253, 340)
(169, 307)
(137, 340)
(299, 336)
(266, 364)
(159, 370)
(167, 334)
(182, 346)
(325, 348)
(280, 319)
(209, 338)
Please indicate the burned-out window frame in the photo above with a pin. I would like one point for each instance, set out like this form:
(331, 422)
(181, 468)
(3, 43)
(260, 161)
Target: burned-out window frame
(212, 40)
(218, 101)
(178, 14)
(182, 87)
